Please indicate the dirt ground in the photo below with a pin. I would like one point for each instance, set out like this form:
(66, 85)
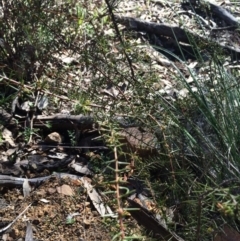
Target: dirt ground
(49, 211)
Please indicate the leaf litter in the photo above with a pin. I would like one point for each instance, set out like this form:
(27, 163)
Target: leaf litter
(60, 208)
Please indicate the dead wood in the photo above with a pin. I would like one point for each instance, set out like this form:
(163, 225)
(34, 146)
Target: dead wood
(18, 181)
(228, 234)
(173, 31)
(34, 164)
(161, 29)
(219, 11)
(143, 142)
(61, 121)
(147, 219)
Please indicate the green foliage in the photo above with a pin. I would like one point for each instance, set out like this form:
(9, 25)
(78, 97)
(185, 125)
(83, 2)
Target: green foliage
(197, 136)
(28, 132)
(83, 104)
(72, 137)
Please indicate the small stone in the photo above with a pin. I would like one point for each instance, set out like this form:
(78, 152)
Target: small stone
(54, 137)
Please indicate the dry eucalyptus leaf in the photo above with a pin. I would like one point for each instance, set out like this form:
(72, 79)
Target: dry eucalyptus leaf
(183, 93)
(42, 102)
(7, 136)
(5, 237)
(65, 112)
(113, 92)
(97, 200)
(11, 151)
(26, 188)
(65, 190)
(70, 217)
(83, 169)
(58, 155)
(29, 232)
(26, 106)
(44, 200)
(69, 60)
(9, 225)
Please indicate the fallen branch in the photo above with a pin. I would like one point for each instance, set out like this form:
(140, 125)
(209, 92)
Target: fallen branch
(147, 219)
(219, 11)
(172, 31)
(64, 121)
(19, 216)
(79, 121)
